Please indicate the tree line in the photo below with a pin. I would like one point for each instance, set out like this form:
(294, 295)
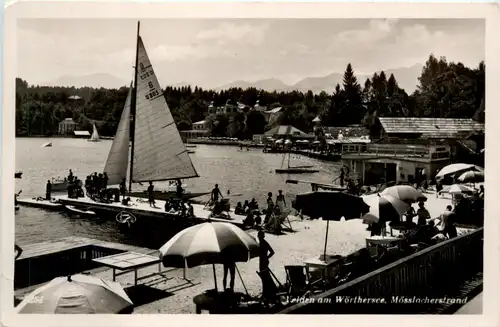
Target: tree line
(444, 90)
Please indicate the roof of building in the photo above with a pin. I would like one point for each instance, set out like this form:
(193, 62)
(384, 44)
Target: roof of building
(82, 133)
(432, 127)
(348, 140)
(283, 130)
(349, 131)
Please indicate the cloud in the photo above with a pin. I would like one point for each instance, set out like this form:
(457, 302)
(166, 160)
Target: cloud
(232, 32)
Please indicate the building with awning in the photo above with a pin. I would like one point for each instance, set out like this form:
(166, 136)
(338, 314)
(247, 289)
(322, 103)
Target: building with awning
(287, 131)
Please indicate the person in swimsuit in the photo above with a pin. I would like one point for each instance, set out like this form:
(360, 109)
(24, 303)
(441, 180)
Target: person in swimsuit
(280, 201)
(215, 193)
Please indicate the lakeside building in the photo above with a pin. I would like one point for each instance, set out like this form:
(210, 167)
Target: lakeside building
(410, 149)
(67, 126)
(199, 129)
(287, 131)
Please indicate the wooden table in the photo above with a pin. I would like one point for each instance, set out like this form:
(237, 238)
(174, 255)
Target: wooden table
(324, 265)
(374, 242)
(129, 261)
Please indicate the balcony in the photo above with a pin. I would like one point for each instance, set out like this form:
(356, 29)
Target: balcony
(394, 150)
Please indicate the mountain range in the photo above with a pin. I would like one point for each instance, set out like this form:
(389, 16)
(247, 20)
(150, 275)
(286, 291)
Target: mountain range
(407, 78)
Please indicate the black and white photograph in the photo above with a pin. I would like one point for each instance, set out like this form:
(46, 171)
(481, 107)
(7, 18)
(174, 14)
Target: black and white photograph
(248, 165)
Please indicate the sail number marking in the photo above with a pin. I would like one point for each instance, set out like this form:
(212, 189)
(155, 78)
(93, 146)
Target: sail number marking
(145, 75)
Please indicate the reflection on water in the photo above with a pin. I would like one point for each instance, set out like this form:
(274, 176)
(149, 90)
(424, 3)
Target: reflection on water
(246, 174)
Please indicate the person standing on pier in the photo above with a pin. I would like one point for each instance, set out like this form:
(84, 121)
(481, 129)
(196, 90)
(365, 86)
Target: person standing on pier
(215, 194)
(270, 207)
(105, 180)
(151, 195)
(70, 176)
(48, 191)
(342, 176)
(179, 189)
(123, 187)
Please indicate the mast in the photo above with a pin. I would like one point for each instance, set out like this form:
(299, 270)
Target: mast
(133, 103)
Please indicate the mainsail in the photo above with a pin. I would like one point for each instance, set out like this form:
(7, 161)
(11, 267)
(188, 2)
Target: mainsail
(95, 135)
(117, 163)
(159, 152)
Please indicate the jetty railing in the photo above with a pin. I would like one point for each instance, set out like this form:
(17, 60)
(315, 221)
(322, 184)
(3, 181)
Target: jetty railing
(39, 269)
(431, 273)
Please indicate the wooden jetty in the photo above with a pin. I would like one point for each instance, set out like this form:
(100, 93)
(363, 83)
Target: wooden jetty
(41, 262)
(140, 207)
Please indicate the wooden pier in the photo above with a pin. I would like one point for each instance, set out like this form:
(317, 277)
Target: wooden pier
(41, 262)
(139, 207)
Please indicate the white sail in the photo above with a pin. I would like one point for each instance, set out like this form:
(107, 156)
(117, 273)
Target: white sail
(117, 163)
(95, 135)
(159, 153)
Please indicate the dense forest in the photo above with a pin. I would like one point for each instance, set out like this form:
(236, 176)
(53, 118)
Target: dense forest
(445, 89)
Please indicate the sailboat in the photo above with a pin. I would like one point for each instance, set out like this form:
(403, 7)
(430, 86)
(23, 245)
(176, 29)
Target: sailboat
(95, 135)
(296, 169)
(157, 152)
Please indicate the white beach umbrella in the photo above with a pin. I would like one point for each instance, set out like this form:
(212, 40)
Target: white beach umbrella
(457, 189)
(457, 168)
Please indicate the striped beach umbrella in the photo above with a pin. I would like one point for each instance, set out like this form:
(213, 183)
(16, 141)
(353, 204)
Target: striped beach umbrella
(457, 189)
(209, 243)
(387, 206)
(78, 294)
(405, 193)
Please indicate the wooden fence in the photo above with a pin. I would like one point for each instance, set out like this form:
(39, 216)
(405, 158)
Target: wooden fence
(39, 269)
(431, 273)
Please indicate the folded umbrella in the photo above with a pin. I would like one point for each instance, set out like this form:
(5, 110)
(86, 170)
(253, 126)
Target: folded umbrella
(79, 294)
(405, 193)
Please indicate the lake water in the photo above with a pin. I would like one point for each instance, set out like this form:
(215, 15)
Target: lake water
(249, 173)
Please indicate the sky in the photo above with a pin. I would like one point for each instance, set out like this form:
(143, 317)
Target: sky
(212, 52)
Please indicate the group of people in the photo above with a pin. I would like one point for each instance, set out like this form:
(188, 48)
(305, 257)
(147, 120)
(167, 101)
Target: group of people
(272, 212)
(95, 184)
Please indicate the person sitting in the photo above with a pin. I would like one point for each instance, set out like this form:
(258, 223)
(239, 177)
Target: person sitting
(190, 210)
(168, 205)
(246, 207)
(423, 214)
(125, 201)
(253, 205)
(238, 210)
(249, 220)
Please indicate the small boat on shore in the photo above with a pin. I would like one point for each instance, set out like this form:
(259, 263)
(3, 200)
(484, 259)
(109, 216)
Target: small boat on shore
(95, 135)
(18, 174)
(191, 151)
(295, 170)
(72, 210)
(47, 145)
(190, 146)
(59, 185)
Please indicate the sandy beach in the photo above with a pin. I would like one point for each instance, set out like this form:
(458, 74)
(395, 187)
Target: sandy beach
(175, 295)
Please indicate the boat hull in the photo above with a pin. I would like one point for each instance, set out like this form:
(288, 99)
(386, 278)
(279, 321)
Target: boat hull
(72, 210)
(59, 187)
(159, 195)
(296, 171)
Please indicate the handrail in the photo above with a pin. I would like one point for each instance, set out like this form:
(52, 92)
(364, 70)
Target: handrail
(374, 275)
